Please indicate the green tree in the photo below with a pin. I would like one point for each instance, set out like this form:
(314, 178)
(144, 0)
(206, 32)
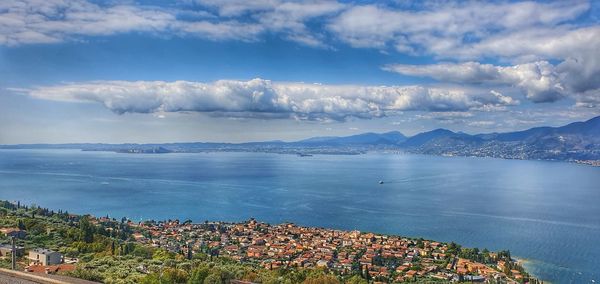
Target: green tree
(323, 279)
(87, 230)
(142, 251)
(356, 280)
(198, 275)
(366, 274)
(21, 225)
(162, 255)
(174, 275)
(86, 274)
(152, 278)
(213, 278)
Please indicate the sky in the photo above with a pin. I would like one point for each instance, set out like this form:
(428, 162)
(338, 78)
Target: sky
(237, 70)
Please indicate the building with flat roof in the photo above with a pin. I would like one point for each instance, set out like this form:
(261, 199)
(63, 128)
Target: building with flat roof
(44, 257)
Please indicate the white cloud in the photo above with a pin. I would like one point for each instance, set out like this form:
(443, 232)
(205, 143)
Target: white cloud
(539, 80)
(289, 18)
(482, 123)
(526, 35)
(558, 42)
(451, 29)
(445, 29)
(505, 28)
(260, 98)
(588, 99)
(50, 21)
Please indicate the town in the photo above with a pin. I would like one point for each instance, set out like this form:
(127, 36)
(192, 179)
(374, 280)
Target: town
(375, 257)
(38, 241)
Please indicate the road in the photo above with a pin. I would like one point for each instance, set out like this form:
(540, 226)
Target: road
(7, 279)
(19, 277)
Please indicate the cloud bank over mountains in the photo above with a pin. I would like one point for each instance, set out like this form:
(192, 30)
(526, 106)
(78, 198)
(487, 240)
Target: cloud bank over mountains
(259, 98)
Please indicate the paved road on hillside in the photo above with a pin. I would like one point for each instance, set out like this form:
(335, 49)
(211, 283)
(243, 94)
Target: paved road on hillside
(18, 277)
(6, 279)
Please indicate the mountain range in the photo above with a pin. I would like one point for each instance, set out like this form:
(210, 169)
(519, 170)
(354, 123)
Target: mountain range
(575, 141)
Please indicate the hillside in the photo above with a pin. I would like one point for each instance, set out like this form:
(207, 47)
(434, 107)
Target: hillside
(575, 141)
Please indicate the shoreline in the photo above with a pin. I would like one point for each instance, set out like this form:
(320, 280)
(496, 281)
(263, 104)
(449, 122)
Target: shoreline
(526, 262)
(380, 257)
(303, 153)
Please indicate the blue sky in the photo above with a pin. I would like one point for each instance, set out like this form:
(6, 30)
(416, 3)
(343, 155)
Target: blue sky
(203, 70)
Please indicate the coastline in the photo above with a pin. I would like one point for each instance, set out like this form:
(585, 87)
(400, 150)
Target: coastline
(527, 264)
(285, 246)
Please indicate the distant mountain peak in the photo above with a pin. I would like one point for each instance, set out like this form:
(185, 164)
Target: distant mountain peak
(391, 137)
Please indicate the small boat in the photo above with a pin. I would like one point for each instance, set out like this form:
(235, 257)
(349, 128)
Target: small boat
(380, 182)
(304, 155)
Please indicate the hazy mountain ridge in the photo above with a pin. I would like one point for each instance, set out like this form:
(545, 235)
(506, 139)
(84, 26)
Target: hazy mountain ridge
(370, 138)
(575, 141)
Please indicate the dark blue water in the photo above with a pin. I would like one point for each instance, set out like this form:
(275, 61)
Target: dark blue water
(545, 212)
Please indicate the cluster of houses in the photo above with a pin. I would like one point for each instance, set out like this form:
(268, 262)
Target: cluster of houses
(378, 257)
(39, 260)
(374, 256)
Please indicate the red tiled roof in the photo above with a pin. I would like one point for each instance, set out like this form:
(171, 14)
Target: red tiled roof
(50, 268)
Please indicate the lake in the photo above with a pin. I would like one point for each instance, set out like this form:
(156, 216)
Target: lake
(545, 212)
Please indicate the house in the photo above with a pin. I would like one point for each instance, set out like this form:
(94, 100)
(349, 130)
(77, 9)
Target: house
(52, 269)
(14, 232)
(322, 263)
(139, 237)
(44, 257)
(474, 278)
(411, 273)
(6, 250)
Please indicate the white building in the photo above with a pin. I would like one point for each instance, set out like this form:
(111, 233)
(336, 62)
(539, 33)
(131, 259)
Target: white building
(44, 257)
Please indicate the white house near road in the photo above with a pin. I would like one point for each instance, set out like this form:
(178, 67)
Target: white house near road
(44, 257)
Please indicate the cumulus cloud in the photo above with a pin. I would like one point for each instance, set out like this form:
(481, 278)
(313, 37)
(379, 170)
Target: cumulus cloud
(259, 98)
(539, 80)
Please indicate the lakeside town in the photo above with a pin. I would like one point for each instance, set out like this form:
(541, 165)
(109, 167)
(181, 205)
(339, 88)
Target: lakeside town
(112, 250)
(382, 258)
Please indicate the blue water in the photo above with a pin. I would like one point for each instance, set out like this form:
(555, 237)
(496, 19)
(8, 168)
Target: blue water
(545, 212)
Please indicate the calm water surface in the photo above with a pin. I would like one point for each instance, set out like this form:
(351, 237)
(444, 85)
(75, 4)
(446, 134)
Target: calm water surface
(546, 212)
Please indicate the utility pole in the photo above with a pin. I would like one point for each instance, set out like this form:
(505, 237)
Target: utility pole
(14, 254)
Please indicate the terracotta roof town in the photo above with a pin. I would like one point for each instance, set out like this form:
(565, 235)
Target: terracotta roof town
(289, 245)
